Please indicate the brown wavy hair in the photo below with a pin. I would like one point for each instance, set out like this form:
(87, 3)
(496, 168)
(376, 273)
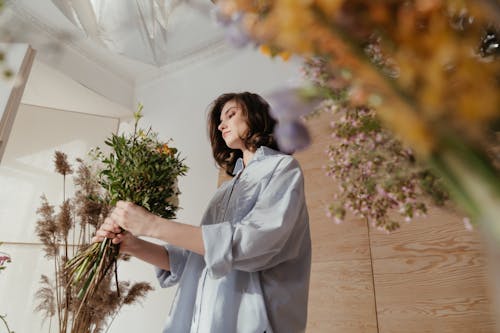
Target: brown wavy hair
(259, 121)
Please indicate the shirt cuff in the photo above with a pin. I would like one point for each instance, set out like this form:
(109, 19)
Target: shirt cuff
(177, 260)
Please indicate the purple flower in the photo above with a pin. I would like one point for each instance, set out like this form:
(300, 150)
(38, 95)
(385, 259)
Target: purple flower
(235, 32)
(292, 136)
(220, 17)
(236, 35)
(289, 104)
(3, 259)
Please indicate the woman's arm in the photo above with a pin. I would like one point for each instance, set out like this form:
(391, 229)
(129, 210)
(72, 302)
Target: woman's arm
(140, 222)
(149, 252)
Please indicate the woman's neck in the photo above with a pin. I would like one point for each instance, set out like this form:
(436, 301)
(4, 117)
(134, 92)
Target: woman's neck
(247, 156)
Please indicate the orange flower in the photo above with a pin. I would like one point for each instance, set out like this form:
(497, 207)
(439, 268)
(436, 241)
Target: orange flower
(273, 52)
(284, 55)
(165, 149)
(265, 50)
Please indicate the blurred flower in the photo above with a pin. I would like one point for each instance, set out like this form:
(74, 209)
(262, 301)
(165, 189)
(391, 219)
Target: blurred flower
(292, 103)
(220, 16)
(288, 106)
(292, 135)
(467, 224)
(236, 34)
(273, 52)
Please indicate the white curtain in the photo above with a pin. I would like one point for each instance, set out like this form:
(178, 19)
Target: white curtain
(133, 28)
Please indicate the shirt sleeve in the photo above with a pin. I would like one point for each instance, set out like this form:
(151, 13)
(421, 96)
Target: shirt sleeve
(263, 238)
(177, 258)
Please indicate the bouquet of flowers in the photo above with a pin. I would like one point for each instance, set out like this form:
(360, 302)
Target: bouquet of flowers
(62, 232)
(141, 169)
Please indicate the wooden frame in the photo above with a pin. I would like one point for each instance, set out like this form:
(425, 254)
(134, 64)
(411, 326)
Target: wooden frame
(9, 113)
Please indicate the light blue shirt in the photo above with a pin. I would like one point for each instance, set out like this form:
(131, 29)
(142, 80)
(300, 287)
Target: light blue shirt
(254, 277)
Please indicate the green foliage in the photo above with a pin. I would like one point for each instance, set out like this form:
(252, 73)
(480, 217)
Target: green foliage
(143, 170)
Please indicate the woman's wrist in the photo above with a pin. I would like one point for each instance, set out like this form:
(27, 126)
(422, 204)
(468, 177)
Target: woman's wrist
(154, 227)
(131, 245)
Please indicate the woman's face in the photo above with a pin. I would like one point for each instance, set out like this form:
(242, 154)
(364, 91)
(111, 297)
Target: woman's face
(233, 125)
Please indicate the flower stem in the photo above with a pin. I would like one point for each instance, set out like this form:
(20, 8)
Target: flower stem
(5, 323)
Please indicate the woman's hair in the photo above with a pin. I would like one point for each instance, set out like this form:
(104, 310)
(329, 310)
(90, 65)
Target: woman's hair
(260, 127)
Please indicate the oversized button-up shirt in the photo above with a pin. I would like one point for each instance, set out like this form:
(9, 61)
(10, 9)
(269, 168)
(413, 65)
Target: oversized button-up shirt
(254, 276)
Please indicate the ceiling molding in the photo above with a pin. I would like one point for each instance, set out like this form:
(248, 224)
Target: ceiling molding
(211, 50)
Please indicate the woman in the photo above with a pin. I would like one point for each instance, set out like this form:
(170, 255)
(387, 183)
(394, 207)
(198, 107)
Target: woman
(246, 268)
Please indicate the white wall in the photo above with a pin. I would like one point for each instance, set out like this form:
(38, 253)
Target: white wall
(50, 87)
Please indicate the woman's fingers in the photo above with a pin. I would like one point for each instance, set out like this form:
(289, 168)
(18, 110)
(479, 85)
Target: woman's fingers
(116, 240)
(101, 236)
(110, 225)
(109, 229)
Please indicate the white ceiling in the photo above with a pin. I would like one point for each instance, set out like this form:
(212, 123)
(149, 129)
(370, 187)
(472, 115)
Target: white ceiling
(191, 34)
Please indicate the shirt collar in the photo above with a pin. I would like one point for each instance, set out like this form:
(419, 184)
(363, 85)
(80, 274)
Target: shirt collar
(238, 166)
(260, 153)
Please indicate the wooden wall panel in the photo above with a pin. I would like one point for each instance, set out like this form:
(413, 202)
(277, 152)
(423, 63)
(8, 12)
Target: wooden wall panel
(341, 297)
(440, 233)
(431, 276)
(432, 294)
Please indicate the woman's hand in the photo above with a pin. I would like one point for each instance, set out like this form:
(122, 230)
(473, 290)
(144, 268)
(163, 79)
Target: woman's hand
(133, 218)
(109, 229)
(123, 225)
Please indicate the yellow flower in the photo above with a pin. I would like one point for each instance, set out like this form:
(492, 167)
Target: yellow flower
(141, 134)
(329, 7)
(272, 52)
(265, 50)
(284, 55)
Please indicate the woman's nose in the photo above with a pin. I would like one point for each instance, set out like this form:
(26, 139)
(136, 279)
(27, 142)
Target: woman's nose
(221, 126)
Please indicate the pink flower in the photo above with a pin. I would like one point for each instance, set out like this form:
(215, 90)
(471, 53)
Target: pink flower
(467, 224)
(4, 259)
